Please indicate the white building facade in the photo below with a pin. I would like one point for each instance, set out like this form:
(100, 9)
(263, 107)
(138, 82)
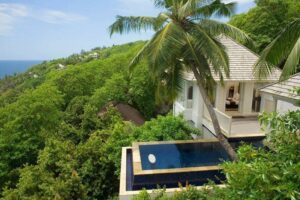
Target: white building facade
(281, 97)
(237, 102)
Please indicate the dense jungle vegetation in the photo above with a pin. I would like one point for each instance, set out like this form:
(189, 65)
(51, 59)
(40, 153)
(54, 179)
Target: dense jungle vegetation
(54, 145)
(52, 142)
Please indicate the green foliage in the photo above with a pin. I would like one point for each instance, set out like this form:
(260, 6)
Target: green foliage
(141, 90)
(76, 81)
(22, 124)
(53, 108)
(119, 136)
(116, 88)
(54, 177)
(96, 169)
(75, 110)
(165, 128)
(85, 164)
(190, 193)
(264, 22)
(283, 51)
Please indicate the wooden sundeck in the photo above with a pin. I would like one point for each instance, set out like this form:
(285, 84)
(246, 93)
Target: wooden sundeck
(246, 127)
(237, 127)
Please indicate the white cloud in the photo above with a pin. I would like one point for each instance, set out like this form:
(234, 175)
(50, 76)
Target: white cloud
(15, 10)
(9, 14)
(59, 17)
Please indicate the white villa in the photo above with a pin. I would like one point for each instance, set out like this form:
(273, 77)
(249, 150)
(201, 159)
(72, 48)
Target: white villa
(237, 102)
(280, 97)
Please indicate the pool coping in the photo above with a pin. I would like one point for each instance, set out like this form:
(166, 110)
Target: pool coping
(127, 195)
(137, 164)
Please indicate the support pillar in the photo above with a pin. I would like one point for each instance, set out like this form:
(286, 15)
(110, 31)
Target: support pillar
(246, 98)
(220, 98)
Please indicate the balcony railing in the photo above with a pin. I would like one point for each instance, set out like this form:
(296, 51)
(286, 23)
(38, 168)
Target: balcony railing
(225, 121)
(235, 128)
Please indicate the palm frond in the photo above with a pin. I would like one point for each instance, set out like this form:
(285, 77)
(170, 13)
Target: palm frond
(165, 45)
(135, 24)
(140, 55)
(163, 3)
(212, 49)
(161, 48)
(278, 50)
(218, 8)
(170, 83)
(216, 28)
(292, 61)
(188, 8)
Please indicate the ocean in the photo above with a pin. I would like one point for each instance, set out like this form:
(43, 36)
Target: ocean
(11, 67)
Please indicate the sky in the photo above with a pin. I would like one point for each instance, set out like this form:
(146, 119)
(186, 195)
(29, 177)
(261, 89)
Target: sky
(49, 29)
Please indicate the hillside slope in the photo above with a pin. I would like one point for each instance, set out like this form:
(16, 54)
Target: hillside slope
(62, 97)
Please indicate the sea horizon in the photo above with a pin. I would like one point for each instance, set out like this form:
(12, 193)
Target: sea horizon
(11, 67)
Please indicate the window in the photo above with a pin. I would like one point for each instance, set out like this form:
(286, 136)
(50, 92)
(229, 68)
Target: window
(190, 93)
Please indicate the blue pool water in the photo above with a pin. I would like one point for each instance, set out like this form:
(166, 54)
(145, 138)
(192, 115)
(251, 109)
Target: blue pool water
(170, 156)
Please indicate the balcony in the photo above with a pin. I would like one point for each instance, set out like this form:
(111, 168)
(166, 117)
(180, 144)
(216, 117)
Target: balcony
(233, 126)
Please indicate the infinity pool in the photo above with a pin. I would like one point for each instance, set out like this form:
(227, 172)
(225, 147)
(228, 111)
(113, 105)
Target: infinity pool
(172, 163)
(182, 155)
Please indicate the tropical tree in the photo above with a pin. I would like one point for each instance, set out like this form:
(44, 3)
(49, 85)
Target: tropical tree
(186, 39)
(283, 50)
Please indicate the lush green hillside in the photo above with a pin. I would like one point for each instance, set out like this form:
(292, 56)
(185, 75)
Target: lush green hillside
(55, 145)
(52, 142)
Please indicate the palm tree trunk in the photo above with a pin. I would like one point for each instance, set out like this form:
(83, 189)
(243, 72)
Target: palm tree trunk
(224, 142)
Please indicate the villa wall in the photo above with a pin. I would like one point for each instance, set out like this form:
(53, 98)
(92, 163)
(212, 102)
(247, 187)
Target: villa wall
(284, 107)
(193, 113)
(198, 104)
(268, 103)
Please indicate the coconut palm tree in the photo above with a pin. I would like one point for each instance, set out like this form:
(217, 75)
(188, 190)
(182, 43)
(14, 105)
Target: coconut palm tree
(186, 39)
(283, 50)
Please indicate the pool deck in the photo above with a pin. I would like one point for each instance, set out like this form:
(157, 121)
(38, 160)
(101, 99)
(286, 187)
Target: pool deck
(245, 128)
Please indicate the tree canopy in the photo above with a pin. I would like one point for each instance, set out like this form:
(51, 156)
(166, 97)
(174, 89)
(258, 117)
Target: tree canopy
(53, 143)
(265, 21)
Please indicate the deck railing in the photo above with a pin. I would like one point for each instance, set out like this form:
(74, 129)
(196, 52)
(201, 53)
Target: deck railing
(225, 121)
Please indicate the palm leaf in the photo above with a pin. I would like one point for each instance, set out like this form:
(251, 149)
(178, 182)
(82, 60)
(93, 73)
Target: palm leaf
(165, 45)
(292, 61)
(188, 8)
(136, 24)
(212, 49)
(170, 83)
(216, 28)
(216, 7)
(278, 50)
(163, 3)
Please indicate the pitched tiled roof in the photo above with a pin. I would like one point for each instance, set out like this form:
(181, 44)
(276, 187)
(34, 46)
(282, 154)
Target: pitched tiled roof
(284, 88)
(241, 62)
